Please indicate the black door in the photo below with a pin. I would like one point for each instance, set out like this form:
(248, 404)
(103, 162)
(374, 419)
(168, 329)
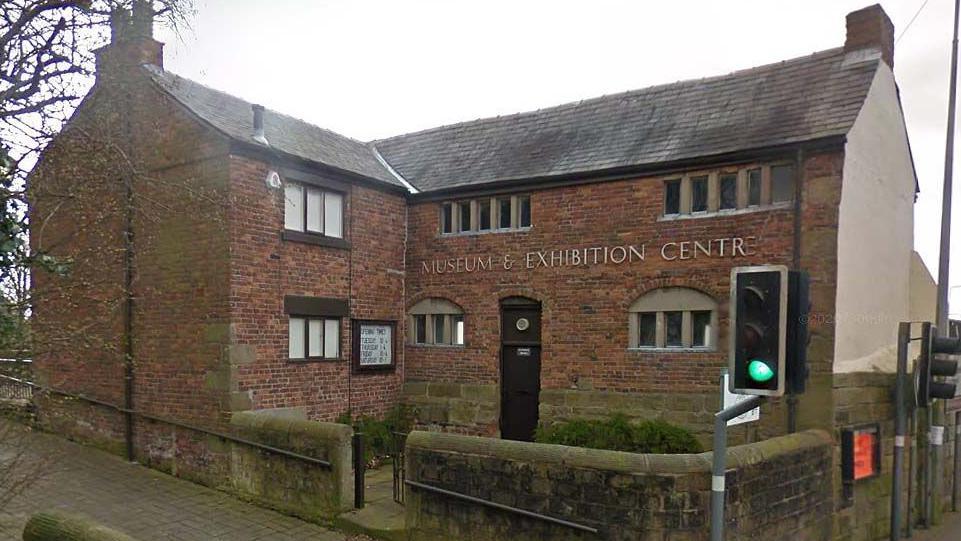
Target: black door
(520, 368)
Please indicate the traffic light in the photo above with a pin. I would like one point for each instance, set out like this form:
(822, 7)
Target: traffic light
(769, 306)
(930, 367)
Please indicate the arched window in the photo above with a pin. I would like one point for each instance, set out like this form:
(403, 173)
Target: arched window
(436, 322)
(673, 317)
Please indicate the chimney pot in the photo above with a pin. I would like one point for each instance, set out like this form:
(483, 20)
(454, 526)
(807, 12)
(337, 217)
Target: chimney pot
(141, 21)
(871, 28)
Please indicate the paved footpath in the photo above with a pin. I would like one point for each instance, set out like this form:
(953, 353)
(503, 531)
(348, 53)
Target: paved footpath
(143, 503)
(948, 530)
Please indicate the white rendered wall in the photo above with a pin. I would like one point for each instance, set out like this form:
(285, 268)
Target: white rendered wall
(875, 234)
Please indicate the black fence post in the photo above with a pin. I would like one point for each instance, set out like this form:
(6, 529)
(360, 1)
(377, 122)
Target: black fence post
(359, 467)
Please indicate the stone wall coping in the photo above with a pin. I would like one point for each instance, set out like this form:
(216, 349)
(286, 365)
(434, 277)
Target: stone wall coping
(617, 461)
(284, 427)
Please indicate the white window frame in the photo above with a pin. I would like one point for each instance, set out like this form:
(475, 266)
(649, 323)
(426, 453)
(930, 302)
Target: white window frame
(330, 347)
(324, 201)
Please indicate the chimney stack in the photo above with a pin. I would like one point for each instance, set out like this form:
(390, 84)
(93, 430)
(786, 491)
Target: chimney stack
(259, 135)
(871, 29)
(131, 40)
(141, 21)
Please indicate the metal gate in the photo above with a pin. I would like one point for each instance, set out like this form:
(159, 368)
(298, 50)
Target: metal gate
(398, 441)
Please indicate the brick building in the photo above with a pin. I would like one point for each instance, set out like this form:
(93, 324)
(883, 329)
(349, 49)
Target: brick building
(569, 262)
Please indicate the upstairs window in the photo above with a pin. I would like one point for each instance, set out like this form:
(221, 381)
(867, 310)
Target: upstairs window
(782, 183)
(672, 196)
(437, 322)
(699, 194)
(503, 213)
(673, 318)
(312, 210)
(729, 190)
(754, 187)
(447, 218)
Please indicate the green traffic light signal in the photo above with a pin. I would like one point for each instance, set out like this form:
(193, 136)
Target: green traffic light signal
(759, 371)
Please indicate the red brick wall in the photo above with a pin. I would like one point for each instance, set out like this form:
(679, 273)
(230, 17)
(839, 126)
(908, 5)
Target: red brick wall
(265, 268)
(585, 308)
(127, 129)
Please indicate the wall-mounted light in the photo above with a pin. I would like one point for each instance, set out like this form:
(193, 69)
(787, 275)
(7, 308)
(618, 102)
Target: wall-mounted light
(273, 179)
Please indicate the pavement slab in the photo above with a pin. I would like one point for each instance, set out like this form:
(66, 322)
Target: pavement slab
(141, 502)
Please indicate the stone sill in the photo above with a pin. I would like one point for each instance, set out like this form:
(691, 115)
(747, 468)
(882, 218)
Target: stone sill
(671, 350)
(314, 238)
(726, 212)
(485, 232)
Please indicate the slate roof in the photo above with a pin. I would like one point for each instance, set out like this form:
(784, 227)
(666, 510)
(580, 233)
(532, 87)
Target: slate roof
(234, 117)
(788, 102)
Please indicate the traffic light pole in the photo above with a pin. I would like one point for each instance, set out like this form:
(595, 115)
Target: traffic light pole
(900, 428)
(720, 461)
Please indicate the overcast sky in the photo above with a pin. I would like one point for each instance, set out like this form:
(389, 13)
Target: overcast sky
(370, 68)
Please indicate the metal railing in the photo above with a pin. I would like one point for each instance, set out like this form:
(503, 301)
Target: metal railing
(12, 388)
(500, 506)
(33, 388)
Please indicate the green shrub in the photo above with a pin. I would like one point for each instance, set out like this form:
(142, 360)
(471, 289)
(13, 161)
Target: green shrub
(618, 434)
(378, 434)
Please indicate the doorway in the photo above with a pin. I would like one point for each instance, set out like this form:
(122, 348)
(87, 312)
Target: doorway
(520, 367)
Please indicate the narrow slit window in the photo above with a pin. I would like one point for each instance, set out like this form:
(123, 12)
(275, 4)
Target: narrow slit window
(420, 329)
(647, 330)
(728, 187)
(484, 214)
(698, 194)
(504, 212)
(440, 334)
(673, 329)
(464, 211)
(525, 211)
(701, 329)
(457, 326)
(447, 218)
(782, 183)
(672, 197)
(754, 188)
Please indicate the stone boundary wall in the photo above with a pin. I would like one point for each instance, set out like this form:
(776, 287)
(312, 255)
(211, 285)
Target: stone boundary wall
(474, 409)
(781, 487)
(866, 398)
(287, 484)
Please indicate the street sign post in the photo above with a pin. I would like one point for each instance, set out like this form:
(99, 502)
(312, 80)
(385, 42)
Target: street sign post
(729, 399)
